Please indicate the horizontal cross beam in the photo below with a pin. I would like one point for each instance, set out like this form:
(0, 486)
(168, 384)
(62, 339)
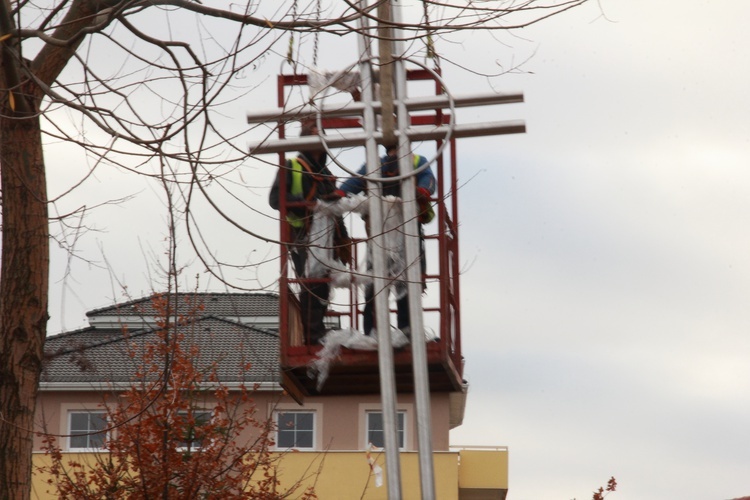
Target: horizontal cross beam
(421, 133)
(357, 108)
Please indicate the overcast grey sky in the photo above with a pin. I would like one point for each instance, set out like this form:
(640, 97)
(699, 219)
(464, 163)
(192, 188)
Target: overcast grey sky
(607, 253)
(605, 315)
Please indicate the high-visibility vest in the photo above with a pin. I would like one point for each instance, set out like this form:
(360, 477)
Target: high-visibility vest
(296, 189)
(425, 213)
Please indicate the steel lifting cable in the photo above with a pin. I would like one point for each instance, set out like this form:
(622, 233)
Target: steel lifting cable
(317, 34)
(430, 43)
(290, 49)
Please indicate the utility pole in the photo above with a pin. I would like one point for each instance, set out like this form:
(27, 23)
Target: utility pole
(392, 98)
(377, 246)
(414, 281)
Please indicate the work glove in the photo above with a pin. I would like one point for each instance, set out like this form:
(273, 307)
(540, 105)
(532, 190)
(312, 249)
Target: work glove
(426, 213)
(423, 195)
(336, 195)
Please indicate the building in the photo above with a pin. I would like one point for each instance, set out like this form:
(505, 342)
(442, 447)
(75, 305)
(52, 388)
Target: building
(237, 333)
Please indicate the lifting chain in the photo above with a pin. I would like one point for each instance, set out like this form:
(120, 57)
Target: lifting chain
(317, 35)
(429, 42)
(290, 49)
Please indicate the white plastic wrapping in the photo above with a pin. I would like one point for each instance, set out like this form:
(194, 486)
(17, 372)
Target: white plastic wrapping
(351, 339)
(320, 239)
(321, 262)
(394, 243)
(318, 80)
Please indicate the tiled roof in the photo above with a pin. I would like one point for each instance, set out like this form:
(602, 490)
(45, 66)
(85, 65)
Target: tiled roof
(102, 355)
(105, 358)
(224, 305)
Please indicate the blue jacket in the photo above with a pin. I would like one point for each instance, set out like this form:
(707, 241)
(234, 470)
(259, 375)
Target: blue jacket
(389, 168)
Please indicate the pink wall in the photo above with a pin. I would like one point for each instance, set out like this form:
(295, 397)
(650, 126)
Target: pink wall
(340, 418)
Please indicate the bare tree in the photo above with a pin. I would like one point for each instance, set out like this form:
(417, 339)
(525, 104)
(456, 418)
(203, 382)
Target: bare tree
(177, 435)
(137, 84)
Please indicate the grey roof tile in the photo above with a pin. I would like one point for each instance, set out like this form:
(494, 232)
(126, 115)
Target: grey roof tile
(215, 304)
(239, 353)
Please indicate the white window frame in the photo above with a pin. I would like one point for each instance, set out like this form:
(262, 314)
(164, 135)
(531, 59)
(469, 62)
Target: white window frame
(406, 409)
(295, 430)
(317, 415)
(88, 432)
(368, 429)
(196, 411)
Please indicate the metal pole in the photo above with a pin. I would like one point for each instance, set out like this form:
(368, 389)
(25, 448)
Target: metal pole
(414, 282)
(385, 349)
(385, 55)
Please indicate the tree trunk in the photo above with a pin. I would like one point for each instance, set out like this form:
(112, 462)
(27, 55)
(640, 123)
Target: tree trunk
(23, 296)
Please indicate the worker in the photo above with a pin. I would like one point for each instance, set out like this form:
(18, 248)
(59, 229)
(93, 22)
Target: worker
(425, 188)
(308, 179)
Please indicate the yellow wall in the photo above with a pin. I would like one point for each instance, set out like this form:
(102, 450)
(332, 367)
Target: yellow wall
(347, 474)
(483, 468)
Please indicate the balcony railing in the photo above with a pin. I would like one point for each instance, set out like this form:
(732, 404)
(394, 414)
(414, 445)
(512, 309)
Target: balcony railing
(465, 473)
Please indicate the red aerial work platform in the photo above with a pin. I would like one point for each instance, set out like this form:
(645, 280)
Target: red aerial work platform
(356, 371)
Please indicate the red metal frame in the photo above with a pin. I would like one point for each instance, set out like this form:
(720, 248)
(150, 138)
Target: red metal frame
(357, 371)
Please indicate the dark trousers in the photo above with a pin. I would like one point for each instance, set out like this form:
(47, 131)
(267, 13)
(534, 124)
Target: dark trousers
(368, 316)
(402, 304)
(313, 300)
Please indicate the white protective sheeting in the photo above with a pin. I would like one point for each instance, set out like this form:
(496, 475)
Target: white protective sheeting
(351, 339)
(321, 262)
(394, 244)
(346, 81)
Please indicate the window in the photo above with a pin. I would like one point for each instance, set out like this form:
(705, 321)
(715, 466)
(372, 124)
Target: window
(295, 429)
(192, 422)
(87, 429)
(375, 433)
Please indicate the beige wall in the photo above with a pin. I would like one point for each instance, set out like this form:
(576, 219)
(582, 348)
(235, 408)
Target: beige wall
(339, 419)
